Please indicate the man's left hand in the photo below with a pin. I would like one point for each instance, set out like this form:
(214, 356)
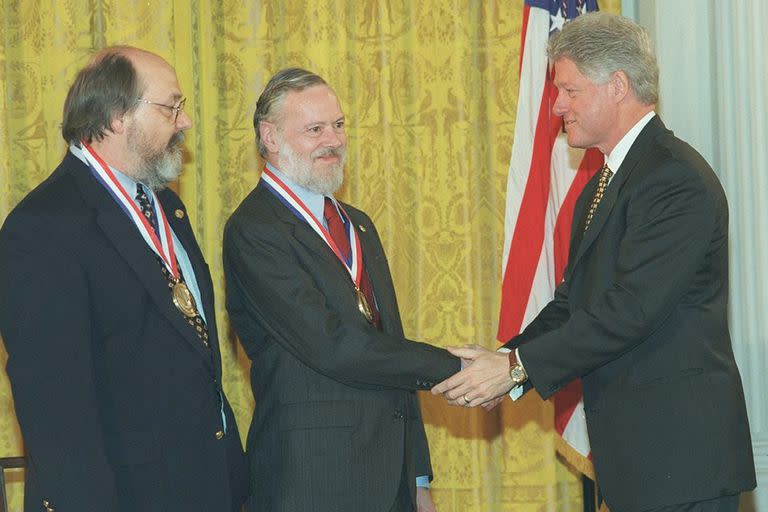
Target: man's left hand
(485, 379)
(424, 501)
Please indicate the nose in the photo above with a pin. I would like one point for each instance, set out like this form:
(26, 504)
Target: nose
(183, 121)
(560, 107)
(333, 138)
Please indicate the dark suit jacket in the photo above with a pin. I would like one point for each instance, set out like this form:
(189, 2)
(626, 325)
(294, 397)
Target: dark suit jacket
(117, 398)
(642, 318)
(336, 420)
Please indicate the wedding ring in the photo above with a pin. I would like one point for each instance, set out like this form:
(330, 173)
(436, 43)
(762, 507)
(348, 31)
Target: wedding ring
(466, 400)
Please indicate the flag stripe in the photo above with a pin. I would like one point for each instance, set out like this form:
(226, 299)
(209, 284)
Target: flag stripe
(545, 180)
(522, 253)
(533, 75)
(523, 32)
(528, 236)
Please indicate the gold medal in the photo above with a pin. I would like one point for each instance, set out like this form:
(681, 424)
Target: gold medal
(363, 306)
(183, 300)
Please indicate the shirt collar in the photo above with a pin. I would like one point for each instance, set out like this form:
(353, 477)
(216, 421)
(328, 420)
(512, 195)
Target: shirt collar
(616, 157)
(314, 202)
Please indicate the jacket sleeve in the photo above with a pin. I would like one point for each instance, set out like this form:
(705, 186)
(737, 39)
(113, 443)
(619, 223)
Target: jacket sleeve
(46, 327)
(268, 284)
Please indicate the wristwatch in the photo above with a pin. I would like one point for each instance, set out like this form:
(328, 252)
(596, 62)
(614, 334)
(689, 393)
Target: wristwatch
(516, 370)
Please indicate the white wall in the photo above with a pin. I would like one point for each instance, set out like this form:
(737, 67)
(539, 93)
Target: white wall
(713, 60)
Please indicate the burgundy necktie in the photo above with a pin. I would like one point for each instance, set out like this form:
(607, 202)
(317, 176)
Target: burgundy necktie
(339, 235)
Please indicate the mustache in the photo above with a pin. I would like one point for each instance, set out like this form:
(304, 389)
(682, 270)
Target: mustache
(176, 140)
(338, 152)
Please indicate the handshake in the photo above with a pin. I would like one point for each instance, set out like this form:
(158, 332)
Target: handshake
(484, 379)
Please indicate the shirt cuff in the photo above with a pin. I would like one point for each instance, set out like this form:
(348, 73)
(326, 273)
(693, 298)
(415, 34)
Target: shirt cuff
(422, 481)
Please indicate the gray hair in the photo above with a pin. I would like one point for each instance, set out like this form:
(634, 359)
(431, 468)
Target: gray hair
(109, 86)
(284, 81)
(600, 44)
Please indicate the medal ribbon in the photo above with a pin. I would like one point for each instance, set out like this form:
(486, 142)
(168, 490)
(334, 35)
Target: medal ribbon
(354, 264)
(162, 246)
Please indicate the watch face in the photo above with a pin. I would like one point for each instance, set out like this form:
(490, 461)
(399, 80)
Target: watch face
(517, 373)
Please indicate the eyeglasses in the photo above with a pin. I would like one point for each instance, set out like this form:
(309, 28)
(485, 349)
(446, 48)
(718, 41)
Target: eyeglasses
(174, 108)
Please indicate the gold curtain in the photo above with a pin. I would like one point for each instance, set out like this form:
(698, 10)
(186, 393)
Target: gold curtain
(430, 91)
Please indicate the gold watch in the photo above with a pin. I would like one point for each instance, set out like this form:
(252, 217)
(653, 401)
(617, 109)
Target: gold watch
(516, 370)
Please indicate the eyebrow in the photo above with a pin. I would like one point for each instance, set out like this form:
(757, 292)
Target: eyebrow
(175, 97)
(313, 123)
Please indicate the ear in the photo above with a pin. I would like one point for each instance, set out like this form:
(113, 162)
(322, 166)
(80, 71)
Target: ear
(620, 85)
(268, 133)
(118, 124)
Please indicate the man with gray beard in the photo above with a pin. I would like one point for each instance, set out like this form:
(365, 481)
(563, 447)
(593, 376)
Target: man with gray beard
(106, 311)
(337, 425)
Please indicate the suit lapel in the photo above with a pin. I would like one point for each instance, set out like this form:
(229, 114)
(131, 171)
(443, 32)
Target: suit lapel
(179, 221)
(306, 236)
(302, 232)
(603, 211)
(121, 232)
(375, 265)
(631, 162)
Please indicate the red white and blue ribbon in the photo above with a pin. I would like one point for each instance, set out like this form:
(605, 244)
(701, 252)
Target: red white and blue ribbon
(163, 246)
(354, 264)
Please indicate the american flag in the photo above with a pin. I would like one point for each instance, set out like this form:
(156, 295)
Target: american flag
(545, 178)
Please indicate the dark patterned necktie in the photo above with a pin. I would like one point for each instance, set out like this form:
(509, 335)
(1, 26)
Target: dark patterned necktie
(602, 184)
(197, 322)
(339, 235)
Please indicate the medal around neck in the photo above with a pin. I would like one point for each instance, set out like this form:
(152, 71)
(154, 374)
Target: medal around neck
(161, 242)
(363, 306)
(354, 264)
(183, 300)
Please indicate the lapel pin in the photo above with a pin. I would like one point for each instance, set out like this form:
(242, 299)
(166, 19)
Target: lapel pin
(362, 228)
(179, 214)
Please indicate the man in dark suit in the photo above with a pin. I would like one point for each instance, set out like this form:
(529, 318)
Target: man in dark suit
(641, 315)
(106, 310)
(337, 425)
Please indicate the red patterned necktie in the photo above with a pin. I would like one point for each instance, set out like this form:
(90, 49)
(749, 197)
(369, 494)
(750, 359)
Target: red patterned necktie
(339, 235)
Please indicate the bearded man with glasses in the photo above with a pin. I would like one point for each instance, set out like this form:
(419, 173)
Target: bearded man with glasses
(106, 311)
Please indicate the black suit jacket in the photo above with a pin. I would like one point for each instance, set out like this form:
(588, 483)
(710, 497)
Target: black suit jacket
(117, 398)
(336, 420)
(641, 317)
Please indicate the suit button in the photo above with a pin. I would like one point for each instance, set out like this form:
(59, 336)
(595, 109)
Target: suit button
(47, 505)
(220, 435)
(398, 415)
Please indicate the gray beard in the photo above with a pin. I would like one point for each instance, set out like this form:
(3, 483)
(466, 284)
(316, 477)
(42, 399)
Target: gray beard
(158, 170)
(301, 172)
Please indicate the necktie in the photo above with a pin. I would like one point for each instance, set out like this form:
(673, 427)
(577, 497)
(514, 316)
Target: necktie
(602, 184)
(339, 235)
(197, 322)
(142, 199)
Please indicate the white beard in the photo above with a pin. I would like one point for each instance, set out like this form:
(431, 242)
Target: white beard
(300, 171)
